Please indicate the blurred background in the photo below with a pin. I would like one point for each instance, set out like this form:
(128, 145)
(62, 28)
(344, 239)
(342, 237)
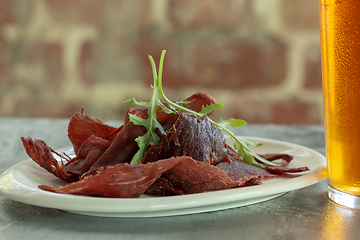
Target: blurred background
(260, 58)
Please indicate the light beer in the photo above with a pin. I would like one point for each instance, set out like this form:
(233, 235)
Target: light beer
(340, 46)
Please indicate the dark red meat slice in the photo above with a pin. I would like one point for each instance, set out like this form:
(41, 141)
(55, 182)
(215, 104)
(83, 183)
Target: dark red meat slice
(164, 187)
(195, 177)
(276, 156)
(120, 181)
(279, 170)
(89, 152)
(190, 136)
(237, 170)
(234, 157)
(124, 146)
(42, 154)
(198, 100)
(81, 127)
(122, 149)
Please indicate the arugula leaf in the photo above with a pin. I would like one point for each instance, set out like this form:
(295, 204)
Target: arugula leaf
(151, 123)
(210, 108)
(242, 146)
(231, 122)
(144, 141)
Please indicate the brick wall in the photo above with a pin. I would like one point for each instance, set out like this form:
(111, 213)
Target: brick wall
(260, 58)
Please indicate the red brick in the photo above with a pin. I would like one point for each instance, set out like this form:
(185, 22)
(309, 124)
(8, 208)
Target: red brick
(240, 64)
(7, 12)
(188, 14)
(37, 107)
(312, 78)
(211, 64)
(5, 63)
(291, 112)
(119, 12)
(79, 11)
(33, 55)
(301, 14)
(53, 63)
(87, 63)
(251, 111)
(69, 108)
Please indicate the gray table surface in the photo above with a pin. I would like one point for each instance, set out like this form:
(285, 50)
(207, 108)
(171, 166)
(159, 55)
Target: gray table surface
(300, 214)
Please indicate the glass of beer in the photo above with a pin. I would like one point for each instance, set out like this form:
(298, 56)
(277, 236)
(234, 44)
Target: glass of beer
(340, 54)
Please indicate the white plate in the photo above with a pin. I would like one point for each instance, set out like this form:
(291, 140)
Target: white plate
(20, 183)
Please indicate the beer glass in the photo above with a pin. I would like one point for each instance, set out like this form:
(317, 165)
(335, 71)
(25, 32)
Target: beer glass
(340, 54)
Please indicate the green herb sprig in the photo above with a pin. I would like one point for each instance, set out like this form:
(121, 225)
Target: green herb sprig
(151, 123)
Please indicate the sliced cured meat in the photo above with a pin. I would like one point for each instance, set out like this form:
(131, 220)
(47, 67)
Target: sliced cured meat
(279, 170)
(234, 157)
(42, 154)
(190, 176)
(276, 156)
(237, 170)
(198, 100)
(81, 127)
(89, 152)
(120, 181)
(164, 187)
(195, 177)
(122, 149)
(192, 157)
(190, 136)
